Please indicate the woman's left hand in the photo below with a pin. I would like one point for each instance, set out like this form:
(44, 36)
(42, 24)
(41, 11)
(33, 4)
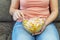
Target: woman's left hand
(43, 28)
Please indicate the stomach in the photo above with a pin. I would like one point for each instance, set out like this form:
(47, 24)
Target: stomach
(36, 12)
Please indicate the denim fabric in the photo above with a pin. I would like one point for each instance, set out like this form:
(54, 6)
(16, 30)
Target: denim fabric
(19, 33)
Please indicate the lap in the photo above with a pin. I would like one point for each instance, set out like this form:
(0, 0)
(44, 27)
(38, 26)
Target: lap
(50, 33)
(19, 33)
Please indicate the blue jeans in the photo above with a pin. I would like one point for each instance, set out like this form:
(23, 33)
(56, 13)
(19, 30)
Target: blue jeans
(19, 33)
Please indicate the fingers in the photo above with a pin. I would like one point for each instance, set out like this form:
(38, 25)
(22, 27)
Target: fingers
(33, 34)
(22, 15)
(15, 17)
(17, 14)
(36, 33)
(43, 28)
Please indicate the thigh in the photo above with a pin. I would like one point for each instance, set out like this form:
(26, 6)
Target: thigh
(50, 33)
(19, 33)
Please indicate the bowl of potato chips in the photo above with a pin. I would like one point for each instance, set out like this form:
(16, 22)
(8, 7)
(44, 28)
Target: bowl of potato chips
(33, 25)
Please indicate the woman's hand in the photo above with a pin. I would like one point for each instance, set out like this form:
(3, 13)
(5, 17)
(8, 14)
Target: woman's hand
(17, 14)
(43, 28)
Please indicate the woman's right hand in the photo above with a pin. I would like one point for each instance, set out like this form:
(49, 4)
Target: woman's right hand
(17, 14)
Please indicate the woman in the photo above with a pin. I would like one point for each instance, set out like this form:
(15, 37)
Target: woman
(34, 8)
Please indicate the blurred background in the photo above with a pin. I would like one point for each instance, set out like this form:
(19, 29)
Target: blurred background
(6, 22)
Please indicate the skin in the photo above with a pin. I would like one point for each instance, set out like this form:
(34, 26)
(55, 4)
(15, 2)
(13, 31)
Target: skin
(14, 6)
(54, 12)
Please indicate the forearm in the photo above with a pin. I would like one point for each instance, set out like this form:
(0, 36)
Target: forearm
(51, 18)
